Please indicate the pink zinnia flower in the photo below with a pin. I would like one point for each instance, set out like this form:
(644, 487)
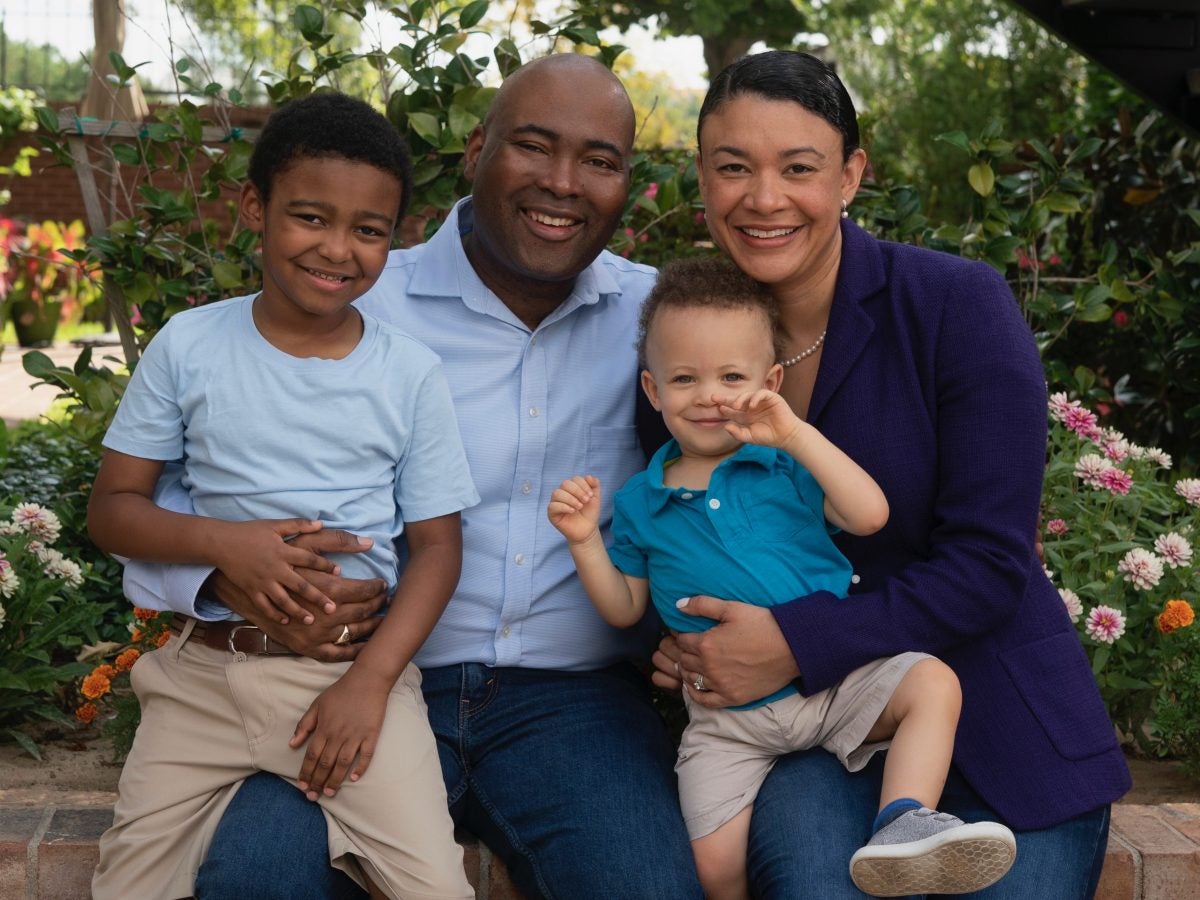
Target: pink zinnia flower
(1189, 490)
(1142, 568)
(1114, 445)
(1072, 602)
(1059, 405)
(1118, 481)
(1090, 467)
(1160, 458)
(1057, 526)
(1174, 549)
(37, 520)
(1105, 624)
(1081, 421)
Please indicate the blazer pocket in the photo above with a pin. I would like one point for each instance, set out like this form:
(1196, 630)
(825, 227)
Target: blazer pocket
(1054, 678)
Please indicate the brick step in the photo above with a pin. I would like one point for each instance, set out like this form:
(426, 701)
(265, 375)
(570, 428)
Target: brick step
(48, 852)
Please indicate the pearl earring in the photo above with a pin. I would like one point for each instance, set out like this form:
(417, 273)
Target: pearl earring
(845, 214)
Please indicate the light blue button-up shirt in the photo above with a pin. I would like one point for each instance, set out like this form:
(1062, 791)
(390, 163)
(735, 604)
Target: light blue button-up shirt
(534, 407)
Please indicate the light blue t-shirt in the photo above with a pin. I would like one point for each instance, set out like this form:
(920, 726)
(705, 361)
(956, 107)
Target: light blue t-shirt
(362, 443)
(758, 534)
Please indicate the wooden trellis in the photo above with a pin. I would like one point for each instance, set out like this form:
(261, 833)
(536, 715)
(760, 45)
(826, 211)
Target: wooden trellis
(76, 130)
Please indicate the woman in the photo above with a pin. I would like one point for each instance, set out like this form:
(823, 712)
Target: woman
(920, 366)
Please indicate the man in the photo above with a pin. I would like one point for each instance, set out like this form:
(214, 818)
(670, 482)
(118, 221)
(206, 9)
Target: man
(550, 750)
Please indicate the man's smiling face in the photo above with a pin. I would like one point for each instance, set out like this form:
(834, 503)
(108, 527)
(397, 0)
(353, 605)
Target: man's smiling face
(550, 174)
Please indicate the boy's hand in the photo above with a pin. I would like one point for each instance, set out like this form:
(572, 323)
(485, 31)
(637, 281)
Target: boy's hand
(575, 508)
(344, 724)
(759, 417)
(256, 558)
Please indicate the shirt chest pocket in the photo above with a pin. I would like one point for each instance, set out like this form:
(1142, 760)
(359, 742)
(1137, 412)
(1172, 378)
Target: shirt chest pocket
(776, 513)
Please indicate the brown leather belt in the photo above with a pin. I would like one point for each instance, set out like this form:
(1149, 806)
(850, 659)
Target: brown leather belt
(231, 636)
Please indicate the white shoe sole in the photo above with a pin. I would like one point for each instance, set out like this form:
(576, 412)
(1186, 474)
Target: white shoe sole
(957, 861)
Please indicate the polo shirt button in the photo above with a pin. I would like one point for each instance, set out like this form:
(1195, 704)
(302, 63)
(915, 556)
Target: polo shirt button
(714, 503)
(855, 579)
(686, 495)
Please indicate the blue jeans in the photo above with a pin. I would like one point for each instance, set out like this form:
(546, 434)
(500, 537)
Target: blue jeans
(567, 776)
(811, 815)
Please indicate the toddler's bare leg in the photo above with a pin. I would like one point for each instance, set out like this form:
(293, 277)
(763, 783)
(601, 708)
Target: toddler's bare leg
(721, 859)
(920, 719)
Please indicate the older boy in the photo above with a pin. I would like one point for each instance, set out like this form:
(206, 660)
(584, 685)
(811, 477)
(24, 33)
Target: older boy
(258, 395)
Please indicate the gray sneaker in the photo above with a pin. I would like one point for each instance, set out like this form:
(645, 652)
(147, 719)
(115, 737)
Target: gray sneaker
(927, 852)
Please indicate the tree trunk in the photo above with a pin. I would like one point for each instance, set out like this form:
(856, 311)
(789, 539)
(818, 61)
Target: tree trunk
(721, 50)
(103, 100)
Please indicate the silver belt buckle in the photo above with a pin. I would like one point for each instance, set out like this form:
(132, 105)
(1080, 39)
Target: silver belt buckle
(233, 635)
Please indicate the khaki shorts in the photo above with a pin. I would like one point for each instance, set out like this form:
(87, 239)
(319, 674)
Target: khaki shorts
(725, 754)
(211, 718)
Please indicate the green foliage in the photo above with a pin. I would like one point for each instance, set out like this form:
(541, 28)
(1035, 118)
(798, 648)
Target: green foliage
(45, 617)
(1118, 542)
(1175, 720)
(42, 67)
(17, 117)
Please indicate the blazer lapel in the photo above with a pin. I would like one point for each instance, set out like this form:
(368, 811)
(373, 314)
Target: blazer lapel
(860, 275)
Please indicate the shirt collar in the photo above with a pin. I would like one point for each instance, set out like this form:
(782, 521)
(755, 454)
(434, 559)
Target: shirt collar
(443, 270)
(658, 495)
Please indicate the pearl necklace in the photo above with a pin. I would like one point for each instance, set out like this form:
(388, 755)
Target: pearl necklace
(805, 354)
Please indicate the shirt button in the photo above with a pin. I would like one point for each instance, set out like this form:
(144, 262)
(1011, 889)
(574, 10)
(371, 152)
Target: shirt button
(686, 495)
(519, 559)
(533, 412)
(505, 631)
(714, 503)
(526, 487)
(854, 579)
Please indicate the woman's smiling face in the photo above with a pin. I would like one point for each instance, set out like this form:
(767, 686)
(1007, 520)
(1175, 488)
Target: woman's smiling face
(773, 177)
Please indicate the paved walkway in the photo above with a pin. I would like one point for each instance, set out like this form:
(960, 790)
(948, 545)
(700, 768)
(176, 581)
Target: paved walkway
(17, 400)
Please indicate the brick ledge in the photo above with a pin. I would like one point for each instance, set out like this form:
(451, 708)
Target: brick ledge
(47, 852)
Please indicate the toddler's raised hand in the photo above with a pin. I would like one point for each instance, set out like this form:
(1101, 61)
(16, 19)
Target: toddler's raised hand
(575, 508)
(759, 417)
(256, 557)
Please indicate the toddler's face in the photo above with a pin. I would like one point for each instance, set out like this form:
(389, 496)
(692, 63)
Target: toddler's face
(697, 358)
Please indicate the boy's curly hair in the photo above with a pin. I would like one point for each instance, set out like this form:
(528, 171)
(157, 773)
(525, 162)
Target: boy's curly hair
(706, 283)
(329, 125)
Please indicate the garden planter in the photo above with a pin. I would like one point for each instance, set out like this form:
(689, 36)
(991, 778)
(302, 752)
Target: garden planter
(35, 323)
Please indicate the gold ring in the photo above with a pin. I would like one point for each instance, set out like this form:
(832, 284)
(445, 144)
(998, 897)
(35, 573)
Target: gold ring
(344, 637)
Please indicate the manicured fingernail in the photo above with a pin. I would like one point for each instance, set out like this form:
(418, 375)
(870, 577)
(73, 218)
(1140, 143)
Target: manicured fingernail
(682, 602)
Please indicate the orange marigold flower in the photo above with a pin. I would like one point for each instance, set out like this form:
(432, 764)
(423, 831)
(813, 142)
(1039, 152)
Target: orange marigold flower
(86, 713)
(126, 660)
(106, 670)
(95, 686)
(162, 639)
(1176, 614)
(136, 635)
(144, 615)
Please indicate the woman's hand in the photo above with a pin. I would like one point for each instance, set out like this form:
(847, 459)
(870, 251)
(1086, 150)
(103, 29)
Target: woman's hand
(742, 658)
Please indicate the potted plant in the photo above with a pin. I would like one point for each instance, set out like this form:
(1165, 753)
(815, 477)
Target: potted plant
(39, 283)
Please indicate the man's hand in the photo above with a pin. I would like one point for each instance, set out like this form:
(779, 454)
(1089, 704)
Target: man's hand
(742, 658)
(355, 603)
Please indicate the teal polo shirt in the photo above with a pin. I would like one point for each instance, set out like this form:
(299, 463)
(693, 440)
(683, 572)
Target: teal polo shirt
(758, 534)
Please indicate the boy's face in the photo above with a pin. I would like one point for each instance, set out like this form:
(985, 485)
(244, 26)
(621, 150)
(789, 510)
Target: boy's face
(699, 357)
(325, 233)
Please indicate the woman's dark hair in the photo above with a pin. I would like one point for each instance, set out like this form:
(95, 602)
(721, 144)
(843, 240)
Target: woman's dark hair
(329, 125)
(787, 75)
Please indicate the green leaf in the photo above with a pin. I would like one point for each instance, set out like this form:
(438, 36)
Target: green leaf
(956, 139)
(426, 125)
(127, 154)
(1085, 149)
(982, 179)
(308, 20)
(472, 14)
(26, 743)
(47, 119)
(1044, 155)
(462, 122)
(39, 365)
(508, 57)
(1062, 203)
(226, 274)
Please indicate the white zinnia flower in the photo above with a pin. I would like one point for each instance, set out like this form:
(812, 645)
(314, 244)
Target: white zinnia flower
(1142, 568)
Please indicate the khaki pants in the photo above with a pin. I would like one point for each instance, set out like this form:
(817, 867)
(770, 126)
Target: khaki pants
(211, 718)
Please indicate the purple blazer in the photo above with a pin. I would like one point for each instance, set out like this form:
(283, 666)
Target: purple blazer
(931, 381)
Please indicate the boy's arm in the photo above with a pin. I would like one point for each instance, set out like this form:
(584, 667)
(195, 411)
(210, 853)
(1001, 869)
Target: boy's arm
(575, 511)
(853, 501)
(344, 721)
(124, 520)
